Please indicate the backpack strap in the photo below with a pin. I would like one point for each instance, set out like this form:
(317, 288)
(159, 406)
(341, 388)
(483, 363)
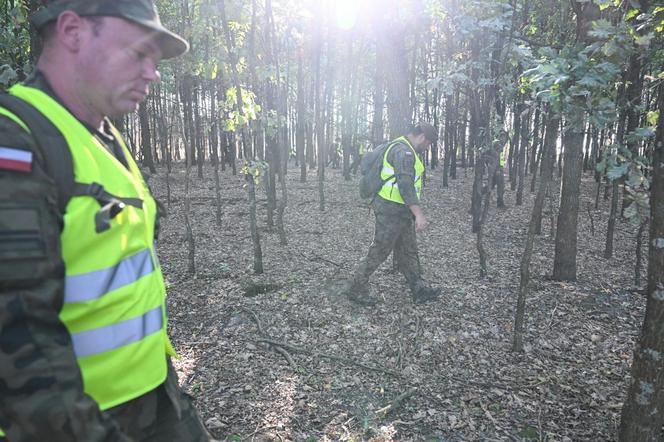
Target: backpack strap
(60, 165)
(50, 142)
(110, 204)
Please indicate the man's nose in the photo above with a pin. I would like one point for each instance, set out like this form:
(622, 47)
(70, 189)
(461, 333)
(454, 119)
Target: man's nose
(150, 71)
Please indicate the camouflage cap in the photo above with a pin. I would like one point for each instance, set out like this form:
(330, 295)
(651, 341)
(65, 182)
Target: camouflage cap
(142, 12)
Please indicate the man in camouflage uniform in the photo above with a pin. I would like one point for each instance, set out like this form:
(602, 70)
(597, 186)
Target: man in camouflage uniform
(397, 222)
(98, 60)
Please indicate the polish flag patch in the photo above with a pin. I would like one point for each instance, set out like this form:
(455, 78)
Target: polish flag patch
(15, 159)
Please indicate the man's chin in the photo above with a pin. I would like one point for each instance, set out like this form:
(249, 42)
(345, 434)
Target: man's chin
(124, 109)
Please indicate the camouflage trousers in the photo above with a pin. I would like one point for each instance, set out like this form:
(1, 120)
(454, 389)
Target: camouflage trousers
(164, 414)
(499, 181)
(392, 233)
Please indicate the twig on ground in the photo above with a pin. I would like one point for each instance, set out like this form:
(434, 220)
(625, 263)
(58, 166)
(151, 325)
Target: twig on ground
(254, 317)
(286, 356)
(345, 361)
(320, 258)
(396, 403)
(553, 316)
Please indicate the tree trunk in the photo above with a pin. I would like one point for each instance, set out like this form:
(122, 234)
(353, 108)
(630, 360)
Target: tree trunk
(525, 126)
(535, 221)
(643, 412)
(300, 125)
(214, 147)
(564, 264)
(552, 123)
(513, 159)
(189, 233)
(255, 237)
(396, 75)
(146, 145)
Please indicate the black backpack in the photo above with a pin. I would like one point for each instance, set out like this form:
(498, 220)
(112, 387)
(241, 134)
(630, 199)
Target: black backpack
(370, 168)
(59, 165)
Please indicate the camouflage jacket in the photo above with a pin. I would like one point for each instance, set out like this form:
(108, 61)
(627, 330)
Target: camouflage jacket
(41, 389)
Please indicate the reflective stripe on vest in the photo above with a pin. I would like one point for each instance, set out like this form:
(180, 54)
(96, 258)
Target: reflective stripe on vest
(113, 336)
(114, 290)
(95, 284)
(390, 189)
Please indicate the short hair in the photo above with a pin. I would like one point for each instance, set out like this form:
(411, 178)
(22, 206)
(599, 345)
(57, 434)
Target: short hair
(430, 132)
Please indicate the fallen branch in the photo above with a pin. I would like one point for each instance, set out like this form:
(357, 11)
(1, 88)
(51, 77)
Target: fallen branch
(254, 317)
(396, 403)
(286, 356)
(320, 258)
(345, 361)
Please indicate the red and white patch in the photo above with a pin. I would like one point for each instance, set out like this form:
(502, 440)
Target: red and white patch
(15, 159)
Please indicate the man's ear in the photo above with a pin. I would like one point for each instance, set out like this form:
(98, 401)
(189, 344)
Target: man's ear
(69, 28)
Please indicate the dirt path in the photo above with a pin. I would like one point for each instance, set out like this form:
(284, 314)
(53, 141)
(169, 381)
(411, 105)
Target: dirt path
(441, 371)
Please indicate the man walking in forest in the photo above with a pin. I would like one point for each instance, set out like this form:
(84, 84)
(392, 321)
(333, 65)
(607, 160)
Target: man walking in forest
(84, 354)
(398, 217)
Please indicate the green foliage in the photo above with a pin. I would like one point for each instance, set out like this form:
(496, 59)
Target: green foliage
(14, 45)
(618, 162)
(274, 122)
(652, 117)
(576, 82)
(7, 76)
(250, 109)
(255, 168)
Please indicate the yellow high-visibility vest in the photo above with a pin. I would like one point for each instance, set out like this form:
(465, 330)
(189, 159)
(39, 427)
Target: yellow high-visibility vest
(390, 189)
(114, 291)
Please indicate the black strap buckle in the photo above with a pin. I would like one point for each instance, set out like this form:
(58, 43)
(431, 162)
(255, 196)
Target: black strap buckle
(111, 205)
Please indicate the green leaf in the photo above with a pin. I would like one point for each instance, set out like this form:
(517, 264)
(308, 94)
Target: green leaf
(631, 14)
(617, 171)
(639, 134)
(603, 4)
(652, 117)
(601, 29)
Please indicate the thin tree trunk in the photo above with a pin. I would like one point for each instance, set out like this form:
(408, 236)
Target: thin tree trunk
(189, 235)
(535, 222)
(255, 237)
(146, 144)
(548, 146)
(525, 126)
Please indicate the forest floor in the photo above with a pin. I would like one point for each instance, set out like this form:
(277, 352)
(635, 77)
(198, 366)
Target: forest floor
(442, 371)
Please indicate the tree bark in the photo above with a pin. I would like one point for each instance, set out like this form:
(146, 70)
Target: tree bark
(564, 263)
(643, 413)
(146, 144)
(535, 219)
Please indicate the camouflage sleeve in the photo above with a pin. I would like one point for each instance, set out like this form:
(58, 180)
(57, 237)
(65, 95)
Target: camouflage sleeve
(403, 160)
(41, 390)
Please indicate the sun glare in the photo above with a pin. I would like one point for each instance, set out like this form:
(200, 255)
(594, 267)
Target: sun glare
(346, 11)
